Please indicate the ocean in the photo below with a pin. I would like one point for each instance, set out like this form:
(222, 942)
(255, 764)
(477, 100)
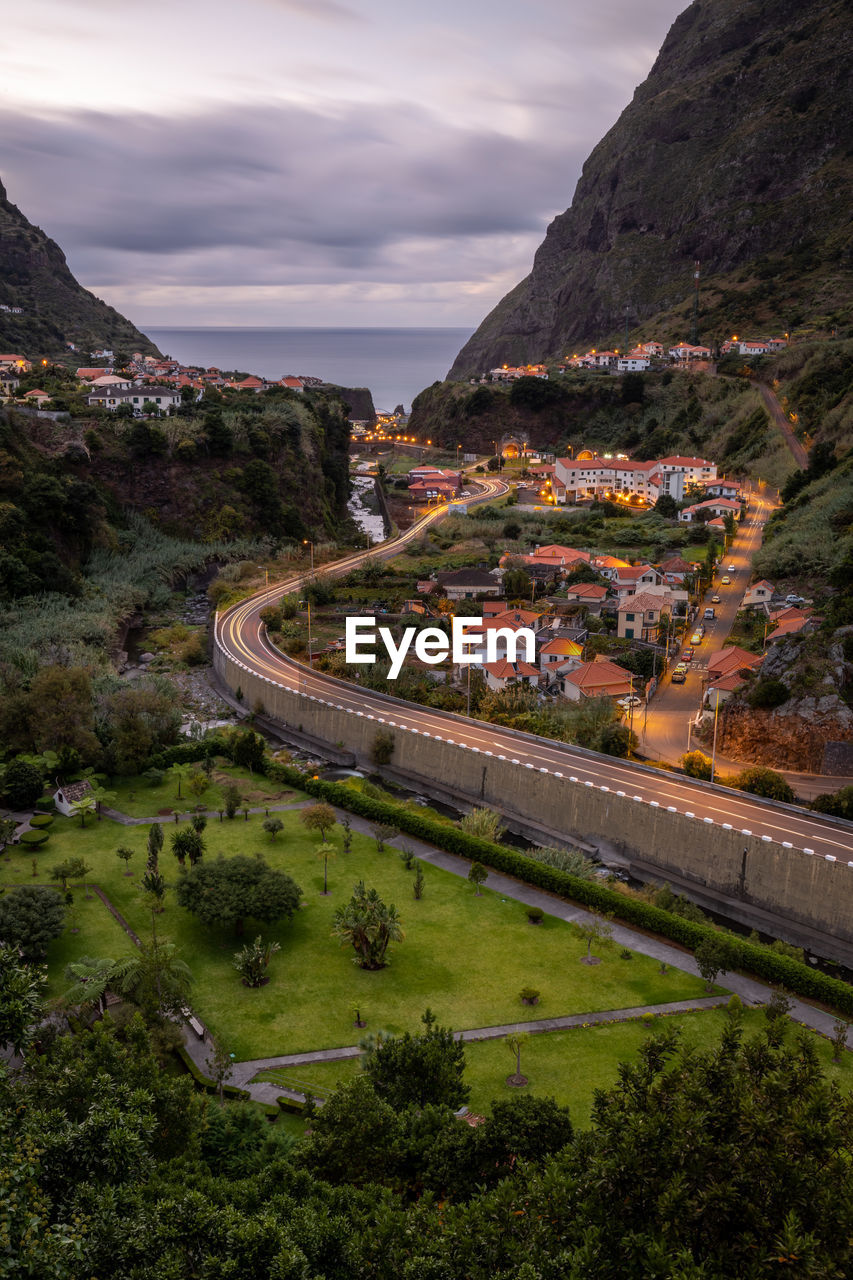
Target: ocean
(394, 363)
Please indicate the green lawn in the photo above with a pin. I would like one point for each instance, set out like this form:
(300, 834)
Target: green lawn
(465, 956)
(137, 798)
(566, 1065)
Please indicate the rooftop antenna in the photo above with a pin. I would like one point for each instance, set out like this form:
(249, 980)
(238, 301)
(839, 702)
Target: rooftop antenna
(694, 337)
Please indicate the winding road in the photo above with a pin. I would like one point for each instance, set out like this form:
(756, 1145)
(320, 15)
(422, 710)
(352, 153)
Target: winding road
(241, 634)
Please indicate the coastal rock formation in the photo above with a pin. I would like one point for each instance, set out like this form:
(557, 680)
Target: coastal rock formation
(735, 152)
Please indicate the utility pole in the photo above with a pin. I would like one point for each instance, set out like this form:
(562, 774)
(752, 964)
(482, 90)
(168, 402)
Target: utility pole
(695, 335)
(714, 747)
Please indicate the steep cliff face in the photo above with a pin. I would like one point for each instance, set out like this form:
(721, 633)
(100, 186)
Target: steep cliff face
(55, 308)
(736, 152)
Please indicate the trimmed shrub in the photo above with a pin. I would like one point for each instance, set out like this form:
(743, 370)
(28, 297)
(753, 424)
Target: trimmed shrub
(750, 957)
(46, 804)
(34, 839)
(41, 820)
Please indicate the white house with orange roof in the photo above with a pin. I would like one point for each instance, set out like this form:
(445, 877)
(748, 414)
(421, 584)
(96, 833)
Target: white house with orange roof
(639, 616)
(732, 659)
(510, 634)
(634, 579)
(599, 679)
(559, 652)
(503, 672)
(634, 362)
(608, 566)
(591, 594)
(689, 351)
(20, 364)
(716, 508)
(759, 594)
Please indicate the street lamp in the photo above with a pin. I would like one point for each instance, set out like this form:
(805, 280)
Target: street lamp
(714, 747)
(266, 574)
(306, 542)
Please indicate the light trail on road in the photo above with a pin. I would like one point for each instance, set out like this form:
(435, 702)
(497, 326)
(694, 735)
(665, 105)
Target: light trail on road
(242, 635)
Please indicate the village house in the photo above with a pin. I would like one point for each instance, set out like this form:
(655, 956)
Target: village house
(590, 594)
(721, 689)
(68, 794)
(674, 570)
(722, 489)
(717, 508)
(687, 351)
(759, 595)
(633, 363)
(788, 622)
(9, 383)
(558, 652)
(20, 364)
(598, 679)
(499, 630)
(164, 399)
(731, 659)
(37, 397)
(467, 584)
(627, 582)
(639, 616)
(509, 373)
(501, 673)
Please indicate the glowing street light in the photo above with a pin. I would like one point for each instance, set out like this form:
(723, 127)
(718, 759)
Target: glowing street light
(306, 542)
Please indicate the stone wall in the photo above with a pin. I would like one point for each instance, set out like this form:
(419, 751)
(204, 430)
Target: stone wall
(795, 886)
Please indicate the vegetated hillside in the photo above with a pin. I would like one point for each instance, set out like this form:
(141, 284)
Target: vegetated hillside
(56, 309)
(734, 151)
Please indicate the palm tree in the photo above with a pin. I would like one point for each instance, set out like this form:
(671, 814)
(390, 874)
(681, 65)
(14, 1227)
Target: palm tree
(180, 772)
(91, 978)
(86, 804)
(157, 979)
(369, 925)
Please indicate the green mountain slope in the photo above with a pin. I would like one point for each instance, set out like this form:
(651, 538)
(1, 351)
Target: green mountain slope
(735, 151)
(55, 309)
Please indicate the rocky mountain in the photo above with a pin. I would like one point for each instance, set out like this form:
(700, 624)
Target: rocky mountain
(54, 309)
(735, 152)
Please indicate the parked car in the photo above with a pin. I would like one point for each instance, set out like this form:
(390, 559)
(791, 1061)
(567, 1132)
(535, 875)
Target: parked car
(687, 656)
(715, 599)
(630, 700)
(709, 613)
(725, 581)
(793, 598)
(679, 673)
(732, 569)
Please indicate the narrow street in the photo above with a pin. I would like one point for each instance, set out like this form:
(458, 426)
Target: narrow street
(664, 727)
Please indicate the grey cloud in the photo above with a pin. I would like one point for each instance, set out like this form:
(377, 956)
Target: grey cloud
(322, 10)
(300, 190)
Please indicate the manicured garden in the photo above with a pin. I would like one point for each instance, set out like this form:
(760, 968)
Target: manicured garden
(466, 956)
(566, 1065)
(140, 798)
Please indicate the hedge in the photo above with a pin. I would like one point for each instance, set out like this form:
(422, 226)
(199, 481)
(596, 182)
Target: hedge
(34, 839)
(41, 820)
(753, 958)
(47, 803)
(205, 1082)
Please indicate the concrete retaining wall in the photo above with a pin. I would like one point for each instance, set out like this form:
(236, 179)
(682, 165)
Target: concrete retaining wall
(792, 885)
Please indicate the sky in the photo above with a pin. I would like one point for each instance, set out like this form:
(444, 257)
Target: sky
(310, 162)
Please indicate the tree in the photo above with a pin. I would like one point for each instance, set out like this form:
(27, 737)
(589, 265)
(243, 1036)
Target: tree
(325, 852)
(515, 1042)
(220, 1064)
(8, 827)
(157, 979)
(229, 890)
(353, 1136)
(248, 750)
(382, 833)
(368, 925)
(155, 886)
(418, 1070)
(187, 843)
(252, 962)
(346, 834)
(418, 882)
(232, 799)
(155, 844)
(318, 817)
(713, 956)
(593, 929)
(383, 747)
(477, 874)
(70, 869)
(666, 506)
(759, 781)
(31, 916)
(125, 854)
(83, 807)
(91, 978)
(21, 999)
(22, 784)
(272, 826)
(516, 584)
(838, 803)
(180, 772)
(696, 764)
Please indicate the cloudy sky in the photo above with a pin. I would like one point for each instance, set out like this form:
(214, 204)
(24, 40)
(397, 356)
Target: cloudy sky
(310, 162)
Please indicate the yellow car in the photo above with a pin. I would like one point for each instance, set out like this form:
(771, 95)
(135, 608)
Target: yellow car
(696, 638)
